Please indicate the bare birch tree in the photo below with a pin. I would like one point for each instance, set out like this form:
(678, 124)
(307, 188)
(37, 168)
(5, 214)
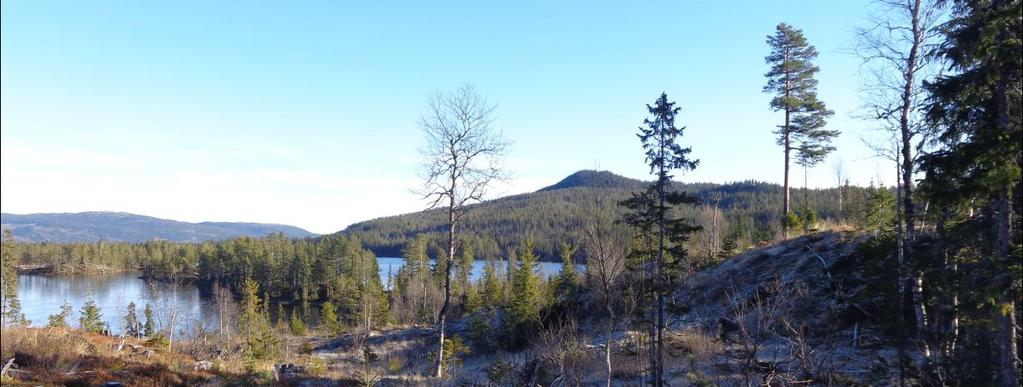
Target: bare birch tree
(226, 309)
(167, 309)
(893, 48)
(838, 167)
(461, 160)
(607, 247)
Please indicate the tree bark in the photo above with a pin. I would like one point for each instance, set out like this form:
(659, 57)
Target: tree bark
(908, 211)
(951, 335)
(806, 197)
(607, 344)
(904, 125)
(447, 280)
(659, 371)
(1008, 360)
(786, 207)
(920, 312)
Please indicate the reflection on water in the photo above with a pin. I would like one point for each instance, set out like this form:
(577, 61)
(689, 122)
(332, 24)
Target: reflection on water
(42, 296)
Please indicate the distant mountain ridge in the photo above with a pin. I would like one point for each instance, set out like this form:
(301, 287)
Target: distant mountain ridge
(124, 227)
(557, 213)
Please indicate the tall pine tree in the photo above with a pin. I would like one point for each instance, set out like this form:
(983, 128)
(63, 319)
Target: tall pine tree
(791, 81)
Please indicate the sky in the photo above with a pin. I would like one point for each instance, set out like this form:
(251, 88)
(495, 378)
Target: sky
(305, 113)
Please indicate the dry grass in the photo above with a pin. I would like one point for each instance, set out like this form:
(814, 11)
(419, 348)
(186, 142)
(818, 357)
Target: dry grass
(693, 342)
(69, 357)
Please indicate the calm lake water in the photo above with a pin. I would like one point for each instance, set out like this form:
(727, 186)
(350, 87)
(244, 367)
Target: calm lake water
(42, 296)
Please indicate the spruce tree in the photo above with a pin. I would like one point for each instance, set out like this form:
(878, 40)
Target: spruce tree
(523, 311)
(976, 113)
(261, 342)
(729, 246)
(493, 295)
(265, 308)
(329, 319)
(791, 81)
(879, 216)
(90, 318)
(148, 328)
(567, 277)
(650, 210)
(251, 314)
(297, 325)
(10, 307)
(510, 267)
(473, 300)
(282, 318)
(131, 321)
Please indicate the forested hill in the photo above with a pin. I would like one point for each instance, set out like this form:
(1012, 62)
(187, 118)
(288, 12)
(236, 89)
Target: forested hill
(597, 179)
(746, 211)
(124, 227)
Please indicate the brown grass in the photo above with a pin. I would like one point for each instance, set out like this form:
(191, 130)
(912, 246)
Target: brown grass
(703, 347)
(52, 356)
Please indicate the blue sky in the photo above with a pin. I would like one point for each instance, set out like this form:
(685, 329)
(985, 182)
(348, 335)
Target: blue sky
(305, 112)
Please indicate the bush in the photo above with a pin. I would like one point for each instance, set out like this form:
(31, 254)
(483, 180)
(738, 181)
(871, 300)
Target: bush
(263, 344)
(157, 340)
(808, 217)
(480, 332)
(296, 324)
(500, 372)
(395, 364)
(59, 320)
(316, 366)
(454, 349)
(792, 222)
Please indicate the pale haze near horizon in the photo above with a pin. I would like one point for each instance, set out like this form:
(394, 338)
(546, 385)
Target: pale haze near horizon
(305, 114)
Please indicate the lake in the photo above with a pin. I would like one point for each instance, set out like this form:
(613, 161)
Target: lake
(390, 265)
(42, 296)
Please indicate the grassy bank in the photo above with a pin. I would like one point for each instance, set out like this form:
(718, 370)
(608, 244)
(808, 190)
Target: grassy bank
(53, 356)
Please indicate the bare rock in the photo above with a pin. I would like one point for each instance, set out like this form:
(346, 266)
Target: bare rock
(203, 365)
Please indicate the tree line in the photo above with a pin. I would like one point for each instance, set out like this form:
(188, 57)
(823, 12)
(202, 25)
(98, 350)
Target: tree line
(748, 212)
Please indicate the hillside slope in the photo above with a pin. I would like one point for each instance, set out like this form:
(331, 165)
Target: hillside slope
(805, 311)
(124, 227)
(555, 214)
(827, 293)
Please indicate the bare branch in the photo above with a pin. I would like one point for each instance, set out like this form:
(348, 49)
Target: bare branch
(460, 160)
